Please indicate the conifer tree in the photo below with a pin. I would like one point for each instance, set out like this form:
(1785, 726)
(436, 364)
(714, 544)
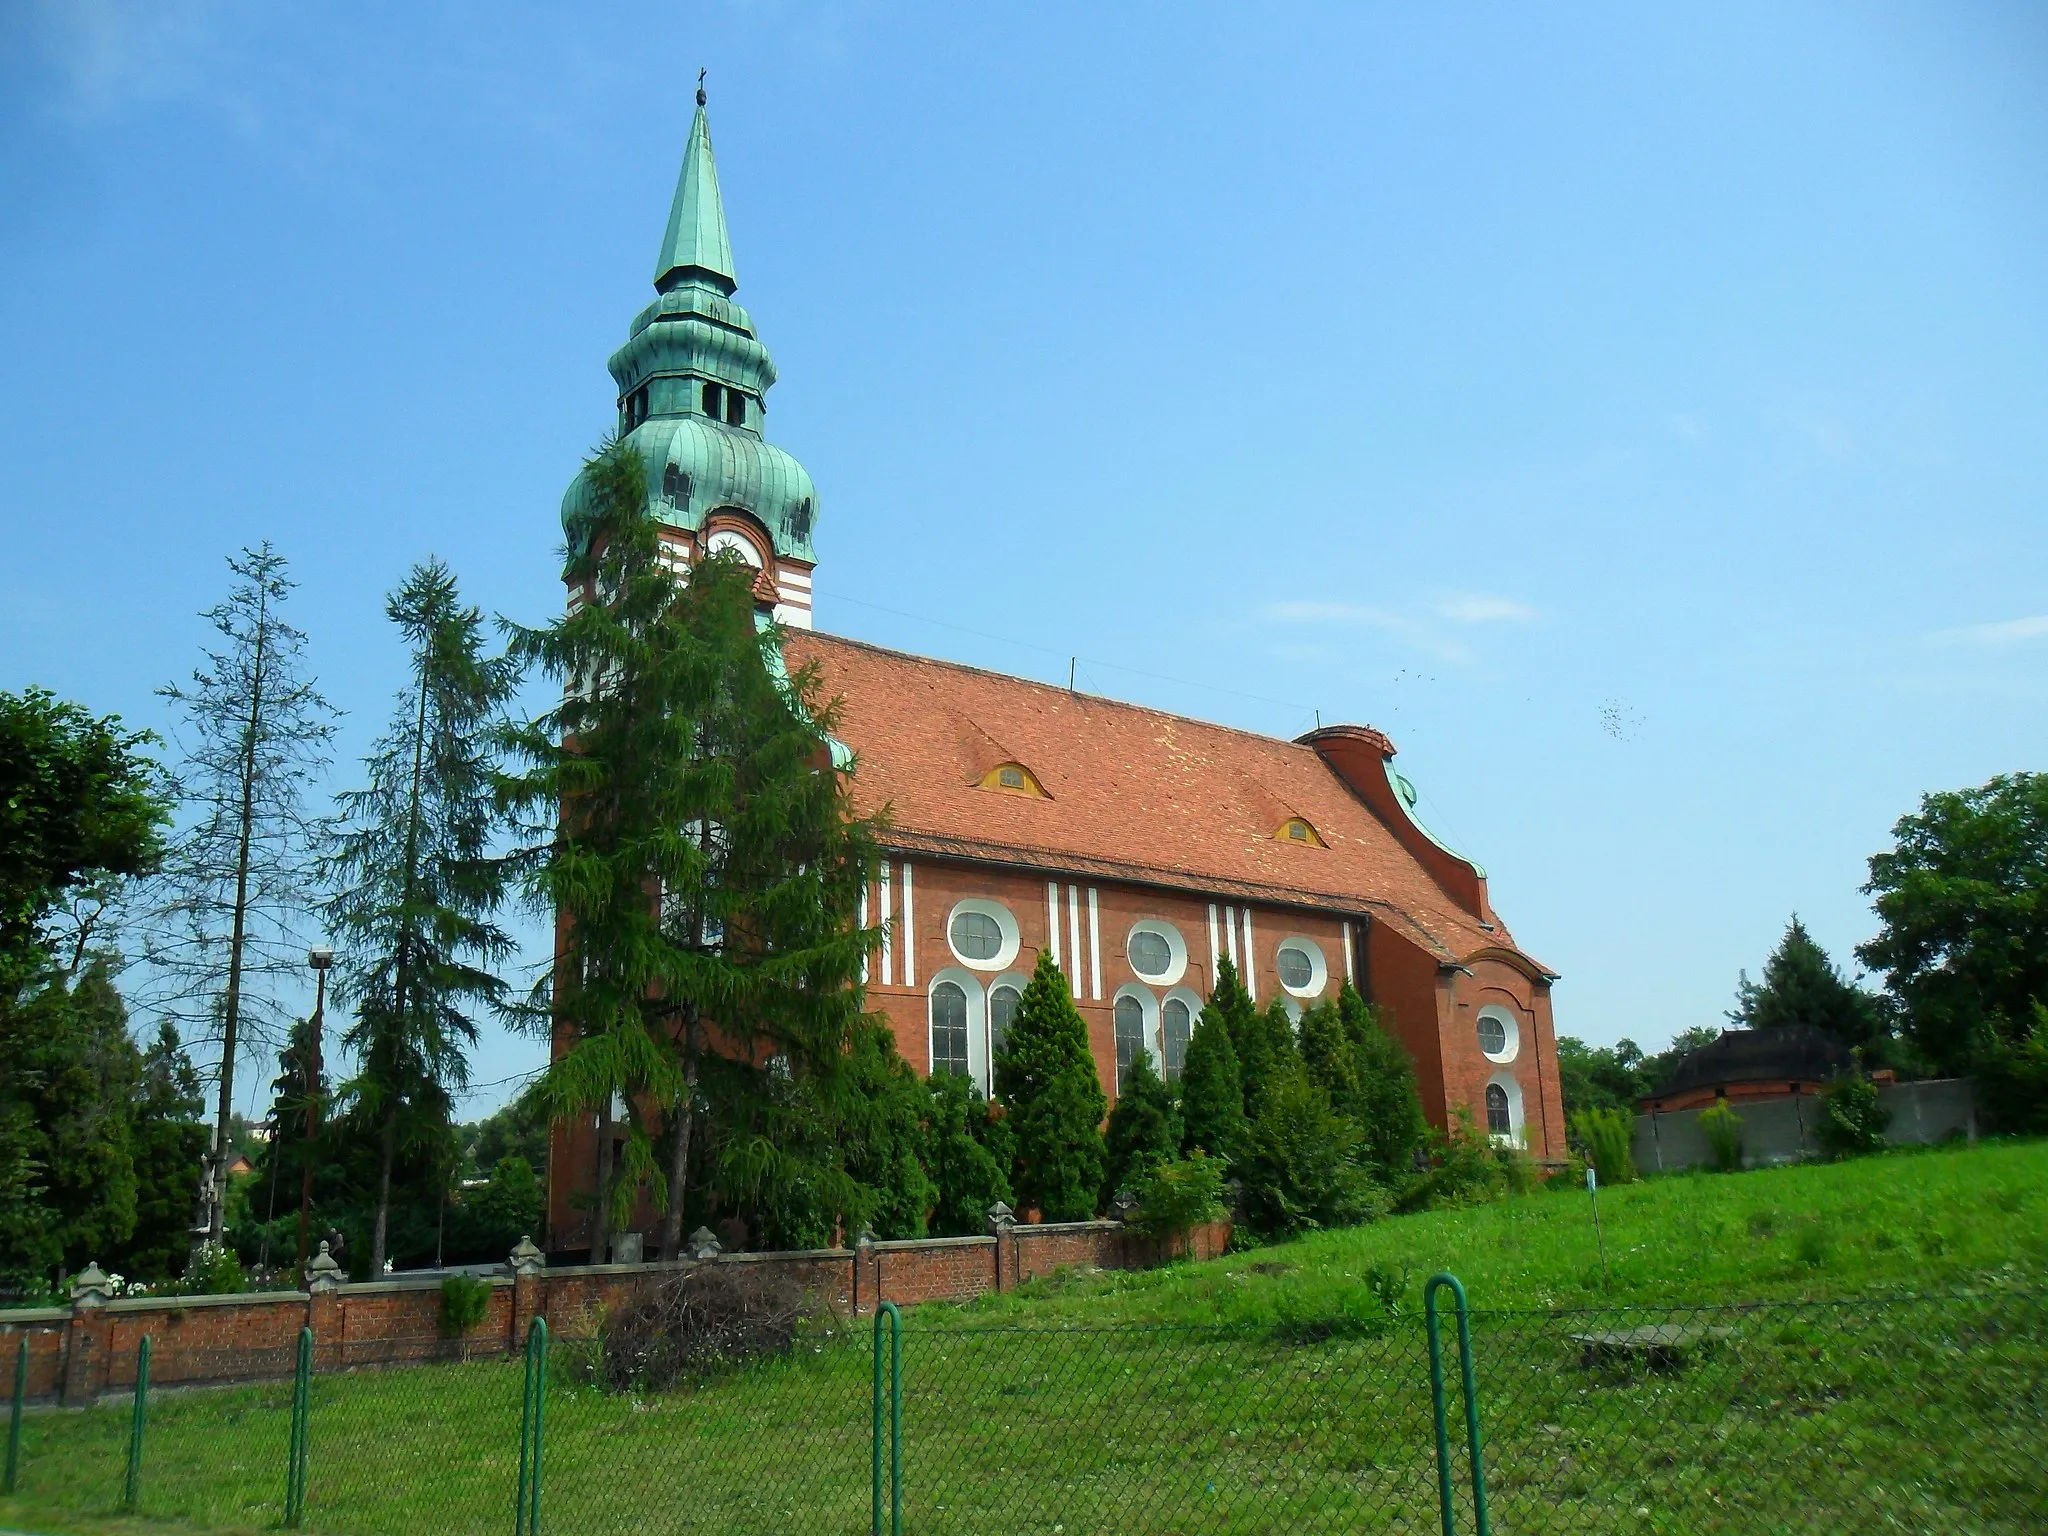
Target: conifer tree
(1327, 1053)
(1305, 1167)
(1212, 1092)
(224, 931)
(1801, 985)
(1046, 1077)
(1283, 1050)
(168, 1140)
(1250, 1040)
(1144, 1128)
(690, 826)
(416, 888)
(1389, 1106)
(966, 1175)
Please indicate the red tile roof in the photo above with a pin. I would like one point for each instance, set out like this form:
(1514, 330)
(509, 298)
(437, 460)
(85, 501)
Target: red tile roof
(1134, 793)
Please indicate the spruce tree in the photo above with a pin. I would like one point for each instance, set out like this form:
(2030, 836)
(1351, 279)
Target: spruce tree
(1048, 1083)
(1305, 1168)
(1389, 1106)
(1801, 985)
(880, 1114)
(1212, 1092)
(1283, 1050)
(1144, 1128)
(1327, 1053)
(225, 932)
(168, 1140)
(1250, 1039)
(690, 827)
(966, 1176)
(416, 889)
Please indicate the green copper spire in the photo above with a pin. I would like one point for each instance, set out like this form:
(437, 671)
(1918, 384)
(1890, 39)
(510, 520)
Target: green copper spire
(696, 244)
(693, 381)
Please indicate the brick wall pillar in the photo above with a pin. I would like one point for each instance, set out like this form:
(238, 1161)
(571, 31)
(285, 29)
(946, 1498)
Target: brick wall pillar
(529, 1290)
(1002, 1226)
(866, 1270)
(323, 1306)
(87, 1339)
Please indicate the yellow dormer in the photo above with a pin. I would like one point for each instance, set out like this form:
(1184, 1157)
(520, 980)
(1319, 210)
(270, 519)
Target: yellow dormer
(1296, 830)
(1014, 779)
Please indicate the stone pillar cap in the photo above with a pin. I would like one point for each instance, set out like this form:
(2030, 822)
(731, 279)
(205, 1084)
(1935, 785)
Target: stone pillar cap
(323, 1274)
(526, 1259)
(89, 1286)
(1000, 1217)
(704, 1244)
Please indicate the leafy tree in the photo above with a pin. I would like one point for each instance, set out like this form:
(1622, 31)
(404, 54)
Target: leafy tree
(1178, 1194)
(415, 888)
(237, 880)
(2012, 1080)
(966, 1174)
(1657, 1069)
(1144, 1129)
(692, 832)
(1599, 1076)
(1046, 1077)
(1212, 1092)
(1305, 1168)
(68, 1075)
(1855, 1118)
(506, 1209)
(519, 1129)
(1801, 985)
(1389, 1105)
(1962, 897)
(81, 802)
(168, 1141)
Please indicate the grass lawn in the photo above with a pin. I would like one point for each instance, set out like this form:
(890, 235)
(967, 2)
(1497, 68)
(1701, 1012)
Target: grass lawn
(1264, 1392)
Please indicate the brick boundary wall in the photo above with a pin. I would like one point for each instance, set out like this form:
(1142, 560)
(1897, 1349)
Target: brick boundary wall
(79, 1353)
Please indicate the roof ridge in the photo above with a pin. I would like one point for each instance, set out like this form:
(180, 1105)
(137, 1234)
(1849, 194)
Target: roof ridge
(1075, 693)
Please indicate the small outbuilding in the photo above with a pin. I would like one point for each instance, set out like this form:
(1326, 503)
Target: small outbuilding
(1750, 1064)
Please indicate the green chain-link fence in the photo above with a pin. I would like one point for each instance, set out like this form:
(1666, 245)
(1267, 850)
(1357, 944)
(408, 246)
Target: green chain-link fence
(1924, 1414)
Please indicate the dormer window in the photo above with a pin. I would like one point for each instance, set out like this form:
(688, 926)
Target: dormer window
(1014, 779)
(1295, 830)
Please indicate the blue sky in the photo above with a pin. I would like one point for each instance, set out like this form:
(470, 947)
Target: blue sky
(1636, 411)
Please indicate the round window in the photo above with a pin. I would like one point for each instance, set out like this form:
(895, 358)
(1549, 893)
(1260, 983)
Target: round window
(1297, 970)
(976, 935)
(1493, 1035)
(1151, 955)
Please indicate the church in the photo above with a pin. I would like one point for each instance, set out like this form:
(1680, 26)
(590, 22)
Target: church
(1140, 848)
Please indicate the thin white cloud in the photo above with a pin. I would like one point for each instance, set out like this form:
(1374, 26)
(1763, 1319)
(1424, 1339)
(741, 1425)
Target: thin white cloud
(1334, 613)
(1477, 608)
(2005, 632)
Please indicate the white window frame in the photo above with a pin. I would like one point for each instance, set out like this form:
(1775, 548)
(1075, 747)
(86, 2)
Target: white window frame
(1018, 979)
(1176, 951)
(1005, 921)
(1516, 1124)
(1511, 1028)
(977, 1022)
(1193, 1000)
(1149, 1006)
(1318, 966)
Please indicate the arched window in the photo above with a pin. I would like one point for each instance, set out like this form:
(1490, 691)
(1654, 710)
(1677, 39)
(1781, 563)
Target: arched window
(1130, 1035)
(1179, 1023)
(949, 1029)
(1002, 1007)
(1499, 1122)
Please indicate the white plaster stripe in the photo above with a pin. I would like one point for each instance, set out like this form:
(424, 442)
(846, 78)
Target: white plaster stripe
(887, 947)
(1094, 948)
(1214, 953)
(1052, 919)
(795, 578)
(1347, 954)
(864, 923)
(1251, 986)
(909, 932)
(1230, 932)
(1074, 935)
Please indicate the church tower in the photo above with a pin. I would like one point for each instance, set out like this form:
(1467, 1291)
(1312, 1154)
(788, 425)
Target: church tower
(693, 383)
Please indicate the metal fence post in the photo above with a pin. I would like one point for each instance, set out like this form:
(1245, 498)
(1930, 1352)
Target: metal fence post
(888, 1309)
(1436, 1391)
(532, 1413)
(138, 1421)
(14, 1418)
(302, 1404)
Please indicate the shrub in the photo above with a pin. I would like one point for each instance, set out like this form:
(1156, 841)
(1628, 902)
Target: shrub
(213, 1271)
(464, 1301)
(1722, 1127)
(1608, 1135)
(1175, 1196)
(1854, 1120)
(1814, 1243)
(1304, 1169)
(1144, 1129)
(2012, 1079)
(1463, 1169)
(709, 1320)
(964, 1169)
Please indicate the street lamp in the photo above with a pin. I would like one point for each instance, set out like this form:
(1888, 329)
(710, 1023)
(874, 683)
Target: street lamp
(320, 958)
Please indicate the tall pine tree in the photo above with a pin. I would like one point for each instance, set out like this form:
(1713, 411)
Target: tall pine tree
(1250, 1040)
(416, 887)
(1801, 985)
(1212, 1092)
(1047, 1081)
(691, 829)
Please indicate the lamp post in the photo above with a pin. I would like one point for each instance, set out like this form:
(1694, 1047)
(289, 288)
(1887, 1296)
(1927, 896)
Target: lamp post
(320, 959)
